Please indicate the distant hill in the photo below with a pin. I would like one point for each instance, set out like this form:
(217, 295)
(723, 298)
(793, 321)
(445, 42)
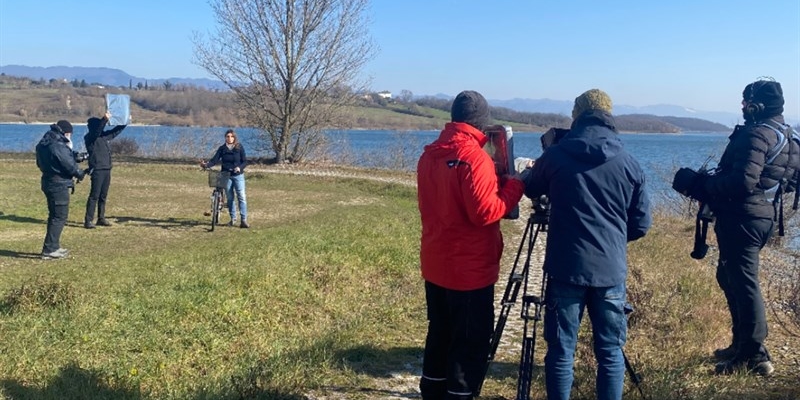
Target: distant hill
(204, 102)
(103, 76)
(565, 107)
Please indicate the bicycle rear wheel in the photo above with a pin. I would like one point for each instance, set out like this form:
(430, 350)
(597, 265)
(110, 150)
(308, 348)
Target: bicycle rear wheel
(216, 204)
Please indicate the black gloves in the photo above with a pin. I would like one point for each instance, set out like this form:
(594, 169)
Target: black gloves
(82, 174)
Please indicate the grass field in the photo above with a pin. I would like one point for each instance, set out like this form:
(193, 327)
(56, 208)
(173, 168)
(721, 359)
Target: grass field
(320, 299)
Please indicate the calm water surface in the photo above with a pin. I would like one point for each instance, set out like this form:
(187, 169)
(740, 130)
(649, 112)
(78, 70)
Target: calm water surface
(659, 154)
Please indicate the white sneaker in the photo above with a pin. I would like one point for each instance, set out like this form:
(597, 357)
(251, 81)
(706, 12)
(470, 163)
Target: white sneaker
(60, 253)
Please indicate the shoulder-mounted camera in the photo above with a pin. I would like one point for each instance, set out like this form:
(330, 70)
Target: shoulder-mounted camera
(80, 156)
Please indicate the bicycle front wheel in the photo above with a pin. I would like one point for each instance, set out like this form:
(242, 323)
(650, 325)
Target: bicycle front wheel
(216, 204)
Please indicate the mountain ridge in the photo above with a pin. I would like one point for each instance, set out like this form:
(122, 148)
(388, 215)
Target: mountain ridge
(102, 75)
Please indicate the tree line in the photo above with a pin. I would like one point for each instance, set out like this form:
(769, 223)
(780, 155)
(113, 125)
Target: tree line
(185, 105)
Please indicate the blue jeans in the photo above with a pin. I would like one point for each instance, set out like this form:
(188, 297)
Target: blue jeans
(607, 311)
(236, 183)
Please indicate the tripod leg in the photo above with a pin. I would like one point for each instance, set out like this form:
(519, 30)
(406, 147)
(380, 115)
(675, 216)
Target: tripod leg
(636, 378)
(526, 357)
(515, 280)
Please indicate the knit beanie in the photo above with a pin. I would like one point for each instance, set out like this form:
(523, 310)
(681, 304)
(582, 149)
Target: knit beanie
(470, 107)
(764, 98)
(594, 99)
(65, 126)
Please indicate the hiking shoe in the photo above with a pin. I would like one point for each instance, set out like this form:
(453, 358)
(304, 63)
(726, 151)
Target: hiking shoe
(244, 224)
(56, 254)
(103, 222)
(760, 367)
(726, 353)
(763, 368)
(232, 222)
(88, 225)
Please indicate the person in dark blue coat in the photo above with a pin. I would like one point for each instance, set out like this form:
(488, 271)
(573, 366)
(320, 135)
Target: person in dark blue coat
(598, 203)
(233, 159)
(55, 159)
(97, 145)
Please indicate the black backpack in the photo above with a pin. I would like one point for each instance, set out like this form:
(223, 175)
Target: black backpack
(789, 182)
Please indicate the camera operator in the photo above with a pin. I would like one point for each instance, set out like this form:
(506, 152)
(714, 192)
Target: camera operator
(744, 221)
(55, 159)
(97, 144)
(598, 204)
(461, 202)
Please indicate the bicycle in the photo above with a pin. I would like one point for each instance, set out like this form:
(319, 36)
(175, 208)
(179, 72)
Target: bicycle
(217, 180)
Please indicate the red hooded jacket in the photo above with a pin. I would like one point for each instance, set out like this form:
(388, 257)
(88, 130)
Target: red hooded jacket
(461, 203)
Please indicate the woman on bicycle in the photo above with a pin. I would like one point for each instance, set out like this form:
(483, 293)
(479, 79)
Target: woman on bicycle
(232, 157)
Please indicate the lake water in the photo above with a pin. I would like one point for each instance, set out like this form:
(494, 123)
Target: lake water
(659, 154)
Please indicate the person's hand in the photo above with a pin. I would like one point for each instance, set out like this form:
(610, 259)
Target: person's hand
(81, 174)
(236, 170)
(523, 163)
(107, 116)
(203, 164)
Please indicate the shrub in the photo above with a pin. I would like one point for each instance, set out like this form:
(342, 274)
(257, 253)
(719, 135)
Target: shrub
(124, 146)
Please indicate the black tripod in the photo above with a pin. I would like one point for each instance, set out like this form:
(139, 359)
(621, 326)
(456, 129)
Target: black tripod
(537, 222)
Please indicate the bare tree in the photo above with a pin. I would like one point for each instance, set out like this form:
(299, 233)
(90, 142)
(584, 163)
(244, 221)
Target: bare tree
(293, 65)
(406, 96)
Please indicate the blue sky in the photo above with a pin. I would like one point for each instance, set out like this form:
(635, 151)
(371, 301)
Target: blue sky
(697, 54)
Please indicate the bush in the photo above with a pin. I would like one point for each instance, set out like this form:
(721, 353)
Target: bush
(124, 146)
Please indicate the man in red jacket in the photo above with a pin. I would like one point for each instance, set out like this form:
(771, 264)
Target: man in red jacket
(461, 202)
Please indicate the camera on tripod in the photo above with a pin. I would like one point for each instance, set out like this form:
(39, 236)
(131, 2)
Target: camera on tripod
(541, 211)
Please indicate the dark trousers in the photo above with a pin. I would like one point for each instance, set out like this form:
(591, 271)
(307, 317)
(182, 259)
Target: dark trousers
(57, 213)
(101, 180)
(740, 240)
(458, 341)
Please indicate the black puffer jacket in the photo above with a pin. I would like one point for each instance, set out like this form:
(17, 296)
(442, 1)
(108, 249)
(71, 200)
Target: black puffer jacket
(54, 158)
(739, 185)
(96, 141)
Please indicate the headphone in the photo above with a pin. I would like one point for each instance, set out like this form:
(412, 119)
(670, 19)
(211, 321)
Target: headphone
(751, 107)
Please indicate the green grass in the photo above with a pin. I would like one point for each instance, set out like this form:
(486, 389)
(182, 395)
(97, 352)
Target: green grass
(322, 297)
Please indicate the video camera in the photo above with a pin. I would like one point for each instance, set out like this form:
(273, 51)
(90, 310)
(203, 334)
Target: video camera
(541, 211)
(80, 156)
(552, 136)
(690, 183)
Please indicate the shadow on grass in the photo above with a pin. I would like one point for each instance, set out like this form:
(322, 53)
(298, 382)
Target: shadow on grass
(163, 223)
(17, 254)
(21, 220)
(72, 382)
